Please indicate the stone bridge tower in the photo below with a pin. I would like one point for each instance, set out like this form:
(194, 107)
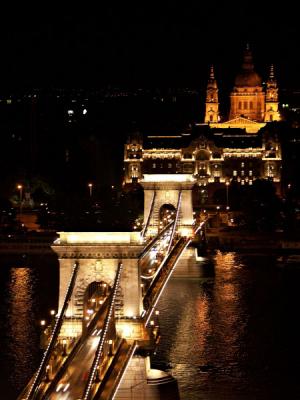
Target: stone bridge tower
(174, 190)
(98, 255)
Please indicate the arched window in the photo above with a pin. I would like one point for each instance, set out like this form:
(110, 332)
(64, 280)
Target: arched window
(245, 105)
(251, 105)
(240, 105)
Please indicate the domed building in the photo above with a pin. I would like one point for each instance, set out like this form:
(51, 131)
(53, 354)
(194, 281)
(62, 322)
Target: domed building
(251, 105)
(211, 157)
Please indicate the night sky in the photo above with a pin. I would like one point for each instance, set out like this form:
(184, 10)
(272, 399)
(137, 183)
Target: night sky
(145, 45)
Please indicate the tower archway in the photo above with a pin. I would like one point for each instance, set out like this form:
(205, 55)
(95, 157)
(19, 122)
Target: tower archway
(167, 214)
(95, 295)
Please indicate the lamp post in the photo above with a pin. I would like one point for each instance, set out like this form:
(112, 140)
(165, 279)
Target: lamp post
(227, 197)
(64, 351)
(20, 188)
(90, 186)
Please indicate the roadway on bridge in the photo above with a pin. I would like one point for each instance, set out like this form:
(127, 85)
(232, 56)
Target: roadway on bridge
(75, 377)
(152, 259)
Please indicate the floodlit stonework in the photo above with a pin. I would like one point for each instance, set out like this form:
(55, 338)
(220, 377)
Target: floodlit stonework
(98, 260)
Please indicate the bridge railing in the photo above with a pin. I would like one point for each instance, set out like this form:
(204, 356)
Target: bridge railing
(32, 393)
(93, 370)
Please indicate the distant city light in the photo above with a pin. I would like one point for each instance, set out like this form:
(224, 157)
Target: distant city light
(84, 111)
(70, 112)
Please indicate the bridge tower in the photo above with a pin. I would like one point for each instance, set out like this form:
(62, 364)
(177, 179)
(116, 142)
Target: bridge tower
(169, 189)
(98, 255)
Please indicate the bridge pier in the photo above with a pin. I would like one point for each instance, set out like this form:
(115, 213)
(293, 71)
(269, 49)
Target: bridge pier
(142, 382)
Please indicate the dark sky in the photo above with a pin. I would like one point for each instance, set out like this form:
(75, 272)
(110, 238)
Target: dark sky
(157, 45)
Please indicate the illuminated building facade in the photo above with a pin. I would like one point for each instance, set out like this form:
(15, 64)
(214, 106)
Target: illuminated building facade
(215, 154)
(251, 104)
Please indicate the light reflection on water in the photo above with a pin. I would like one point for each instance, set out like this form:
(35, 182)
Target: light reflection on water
(223, 336)
(28, 290)
(230, 334)
(21, 330)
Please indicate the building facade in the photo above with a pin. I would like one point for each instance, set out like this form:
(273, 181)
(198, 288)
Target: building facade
(217, 152)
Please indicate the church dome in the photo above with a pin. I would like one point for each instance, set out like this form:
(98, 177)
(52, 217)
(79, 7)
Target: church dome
(248, 77)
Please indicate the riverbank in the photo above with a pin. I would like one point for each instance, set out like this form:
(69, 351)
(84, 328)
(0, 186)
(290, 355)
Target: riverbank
(246, 241)
(223, 239)
(27, 243)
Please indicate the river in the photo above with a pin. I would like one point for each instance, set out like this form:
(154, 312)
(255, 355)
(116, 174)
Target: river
(228, 332)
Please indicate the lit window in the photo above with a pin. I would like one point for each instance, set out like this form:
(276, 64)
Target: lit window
(216, 165)
(169, 165)
(250, 182)
(242, 173)
(243, 182)
(242, 165)
(234, 173)
(153, 165)
(250, 173)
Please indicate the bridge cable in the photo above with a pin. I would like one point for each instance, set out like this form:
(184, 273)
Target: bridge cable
(47, 354)
(175, 222)
(149, 215)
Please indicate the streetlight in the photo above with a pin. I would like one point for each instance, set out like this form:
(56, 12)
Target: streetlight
(110, 350)
(52, 313)
(47, 378)
(227, 200)
(90, 185)
(20, 188)
(64, 343)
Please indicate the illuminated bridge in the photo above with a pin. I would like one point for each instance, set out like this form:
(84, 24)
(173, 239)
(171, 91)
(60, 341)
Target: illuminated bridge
(99, 344)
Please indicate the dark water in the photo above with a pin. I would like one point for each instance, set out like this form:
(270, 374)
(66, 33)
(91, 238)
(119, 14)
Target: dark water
(232, 334)
(28, 291)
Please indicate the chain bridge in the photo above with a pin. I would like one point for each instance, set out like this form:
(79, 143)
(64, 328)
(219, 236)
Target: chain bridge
(99, 344)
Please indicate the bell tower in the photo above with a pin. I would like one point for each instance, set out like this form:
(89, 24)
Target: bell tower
(212, 101)
(271, 111)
